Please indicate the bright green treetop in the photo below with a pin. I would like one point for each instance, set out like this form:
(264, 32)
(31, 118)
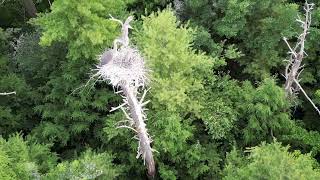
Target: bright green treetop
(272, 161)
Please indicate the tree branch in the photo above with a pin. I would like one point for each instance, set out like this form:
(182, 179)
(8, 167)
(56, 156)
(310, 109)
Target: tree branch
(9, 93)
(308, 98)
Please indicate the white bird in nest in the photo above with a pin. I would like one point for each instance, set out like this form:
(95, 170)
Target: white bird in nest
(108, 55)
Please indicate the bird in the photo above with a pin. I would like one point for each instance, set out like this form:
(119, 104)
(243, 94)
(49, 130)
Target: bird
(106, 57)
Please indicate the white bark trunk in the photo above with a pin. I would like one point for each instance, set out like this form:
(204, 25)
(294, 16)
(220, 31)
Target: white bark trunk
(125, 69)
(136, 113)
(297, 53)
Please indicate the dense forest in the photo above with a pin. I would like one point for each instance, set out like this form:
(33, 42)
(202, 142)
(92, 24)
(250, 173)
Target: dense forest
(159, 89)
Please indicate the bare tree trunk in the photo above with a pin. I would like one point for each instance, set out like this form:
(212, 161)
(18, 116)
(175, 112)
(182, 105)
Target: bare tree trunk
(297, 53)
(137, 115)
(30, 8)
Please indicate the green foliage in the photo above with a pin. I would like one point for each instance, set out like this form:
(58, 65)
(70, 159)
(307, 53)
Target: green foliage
(146, 7)
(89, 166)
(260, 113)
(232, 52)
(234, 17)
(203, 99)
(25, 160)
(83, 25)
(265, 111)
(307, 141)
(256, 26)
(219, 114)
(69, 112)
(178, 75)
(176, 69)
(271, 161)
(11, 13)
(15, 110)
(21, 160)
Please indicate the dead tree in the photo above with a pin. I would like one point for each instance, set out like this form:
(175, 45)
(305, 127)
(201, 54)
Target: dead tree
(123, 67)
(294, 67)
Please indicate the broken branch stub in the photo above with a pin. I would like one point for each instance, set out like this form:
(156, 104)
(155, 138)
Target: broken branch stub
(123, 67)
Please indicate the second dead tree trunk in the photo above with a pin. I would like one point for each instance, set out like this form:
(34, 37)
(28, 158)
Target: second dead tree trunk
(294, 67)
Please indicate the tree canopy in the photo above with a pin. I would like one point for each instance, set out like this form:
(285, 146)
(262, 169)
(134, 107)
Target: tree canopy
(215, 72)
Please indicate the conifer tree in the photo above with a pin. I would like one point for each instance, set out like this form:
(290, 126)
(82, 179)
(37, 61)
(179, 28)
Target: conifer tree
(271, 161)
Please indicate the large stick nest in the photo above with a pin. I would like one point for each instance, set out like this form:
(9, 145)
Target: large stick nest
(127, 65)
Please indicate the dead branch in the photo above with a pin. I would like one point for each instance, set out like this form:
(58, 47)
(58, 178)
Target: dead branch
(308, 98)
(9, 93)
(116, 20)
(294, 68)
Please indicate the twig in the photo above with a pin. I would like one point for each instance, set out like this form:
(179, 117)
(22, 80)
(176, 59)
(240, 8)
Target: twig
(115, 108)
(124, 126)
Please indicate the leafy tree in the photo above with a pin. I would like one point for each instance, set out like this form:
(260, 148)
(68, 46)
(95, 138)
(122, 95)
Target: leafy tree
(82, 24)
(255, 26)
(23, 160)
(15, 110)
(271, 161)
(300, 138)
(69, 113)
(260, 112)
(265, 111)
(146, 7)
(89, 166)
(178, 74)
